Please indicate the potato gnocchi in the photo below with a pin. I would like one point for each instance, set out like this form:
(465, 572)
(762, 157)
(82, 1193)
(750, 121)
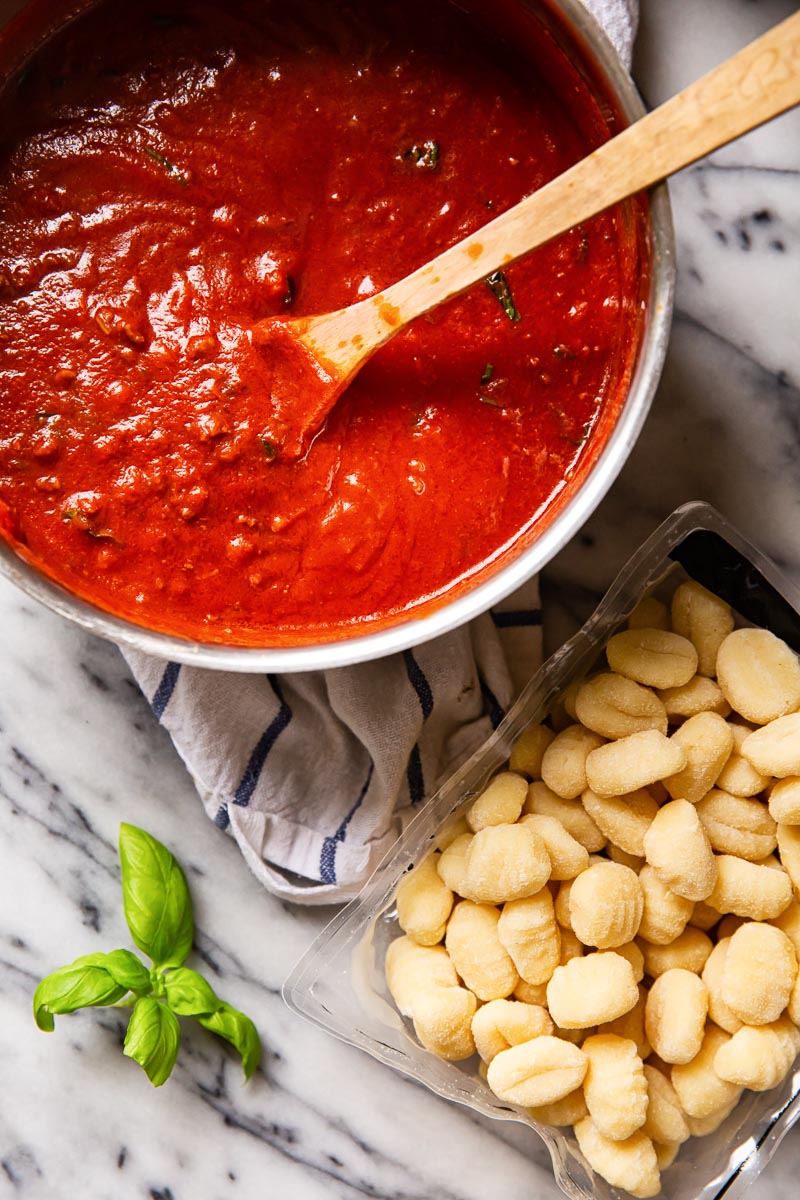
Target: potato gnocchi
(613, 923)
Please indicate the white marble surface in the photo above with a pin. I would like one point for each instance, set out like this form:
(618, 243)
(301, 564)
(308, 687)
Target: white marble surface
(80, 751)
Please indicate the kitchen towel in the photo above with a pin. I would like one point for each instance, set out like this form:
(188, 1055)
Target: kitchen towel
(316, 774)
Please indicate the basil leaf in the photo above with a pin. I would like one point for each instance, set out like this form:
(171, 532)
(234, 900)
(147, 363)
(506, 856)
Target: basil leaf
(237, 1029)
(189, 994)
(80, 985)
(498, 285)
(153, 1039)
(129, 971)
(124, 968)
(158, 907)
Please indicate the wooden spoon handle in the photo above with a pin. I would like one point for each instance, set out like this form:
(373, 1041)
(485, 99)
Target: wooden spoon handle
(758, 83)
(753, 86)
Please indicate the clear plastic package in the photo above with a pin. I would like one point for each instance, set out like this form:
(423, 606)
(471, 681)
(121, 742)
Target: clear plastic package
(339, 983)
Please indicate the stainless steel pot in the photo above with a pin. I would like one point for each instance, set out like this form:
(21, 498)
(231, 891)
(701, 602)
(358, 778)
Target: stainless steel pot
(604, 64)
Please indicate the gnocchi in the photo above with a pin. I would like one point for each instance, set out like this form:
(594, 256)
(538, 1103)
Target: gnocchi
(774, 749)
(759, 1057)
(611, 923)
(784, 801)
(573, 816)
(423, 983)
(738, 776)
(759, 675)
(605, 906)
(759, 973)
(477, 953)
(633, 762)
(504, 862)
(665, 914)
(677, 848)
(675, 1015)
(567, 1111)
(500, 803)
(689, 951)
(592, 989)
(503, 1023)
(699, 1089)
(540, 1071)
(666, 1121)
(630, 1164)
(615, 1088)
(655, 657)
(564, 761)
(624, 820)
(707, 742)
(528, 931)
(719, 1012)
(452, 863)
(696, 696)
(568, 857)
(528, 751)
(703, 618)
(424, 903)
(615, 707)
(749, 889)
(738, 826)
(650, 613)
(631, 1025)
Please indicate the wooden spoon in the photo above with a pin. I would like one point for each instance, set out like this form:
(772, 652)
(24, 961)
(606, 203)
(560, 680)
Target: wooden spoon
(311, 360)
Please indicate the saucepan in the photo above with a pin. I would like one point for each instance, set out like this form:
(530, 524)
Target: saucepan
(590, 52)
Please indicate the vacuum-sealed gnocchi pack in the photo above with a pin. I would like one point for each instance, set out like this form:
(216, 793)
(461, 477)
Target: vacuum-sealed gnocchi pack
(594, 926)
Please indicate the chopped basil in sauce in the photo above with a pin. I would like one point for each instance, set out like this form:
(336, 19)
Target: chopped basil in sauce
(169, 167)
(425, 155)
(498, 285)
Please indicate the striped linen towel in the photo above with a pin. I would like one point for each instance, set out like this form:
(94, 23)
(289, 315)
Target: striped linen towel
(315, 775)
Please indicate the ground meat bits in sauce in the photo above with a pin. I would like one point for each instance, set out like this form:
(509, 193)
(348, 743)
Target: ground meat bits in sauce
(171, 175)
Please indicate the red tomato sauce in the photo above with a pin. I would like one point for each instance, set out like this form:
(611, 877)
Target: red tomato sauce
(172, 174)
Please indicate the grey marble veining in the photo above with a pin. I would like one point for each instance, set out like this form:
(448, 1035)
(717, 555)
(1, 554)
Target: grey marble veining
(80, 751)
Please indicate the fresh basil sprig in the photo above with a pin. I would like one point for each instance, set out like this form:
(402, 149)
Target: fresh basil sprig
(158, 909)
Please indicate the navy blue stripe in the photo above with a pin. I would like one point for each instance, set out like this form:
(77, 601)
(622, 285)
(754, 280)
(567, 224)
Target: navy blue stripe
(492, 705)
(419, 684)
(416, 782)
(265, 743)
(165, 688)
(221, 818)
(521, 616)
(414, 775)
(327, 858)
